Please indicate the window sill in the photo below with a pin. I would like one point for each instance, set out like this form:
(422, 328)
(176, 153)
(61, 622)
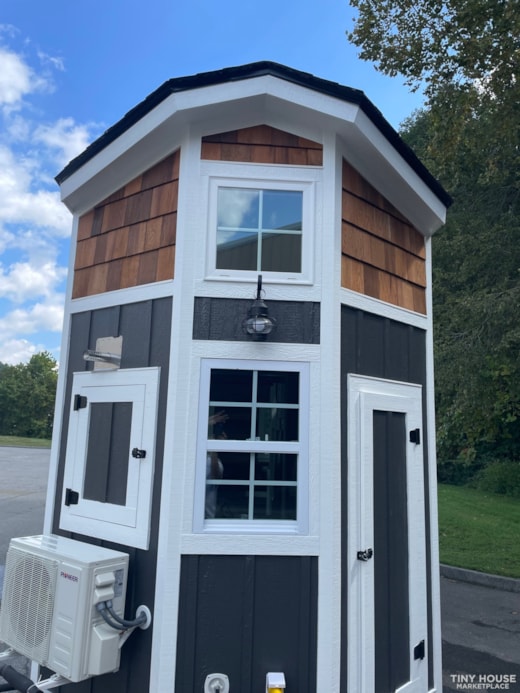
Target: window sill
(247, 543)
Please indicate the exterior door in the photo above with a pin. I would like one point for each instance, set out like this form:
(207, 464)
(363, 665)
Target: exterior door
(387, 554)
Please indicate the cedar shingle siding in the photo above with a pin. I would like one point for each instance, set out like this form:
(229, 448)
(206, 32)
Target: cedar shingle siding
(129, 238)
(262, 144)
(383, 255)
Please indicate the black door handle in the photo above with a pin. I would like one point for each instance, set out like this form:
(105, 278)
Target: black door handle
(365, 555)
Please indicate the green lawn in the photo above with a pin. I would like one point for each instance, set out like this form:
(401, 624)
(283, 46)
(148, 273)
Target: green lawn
(479, 530)
(24, 442)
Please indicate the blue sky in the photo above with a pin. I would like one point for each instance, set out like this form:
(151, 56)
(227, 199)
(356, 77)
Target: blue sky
(71, 68)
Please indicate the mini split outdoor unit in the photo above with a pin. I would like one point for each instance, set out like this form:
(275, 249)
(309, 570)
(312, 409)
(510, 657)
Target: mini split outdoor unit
(51, 588)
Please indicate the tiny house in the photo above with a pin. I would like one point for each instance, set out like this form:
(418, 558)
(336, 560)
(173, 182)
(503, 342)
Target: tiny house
(245, 404)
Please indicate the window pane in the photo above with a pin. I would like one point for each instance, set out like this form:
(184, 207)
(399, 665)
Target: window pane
(275, 467)
(281, 252)
(238, 208)
(282, 209)
(232, 423)
(231, 465)
(277, 387)
(277, 424)
(275, 503)
(237, 250)
(227, 502)
(231, 385)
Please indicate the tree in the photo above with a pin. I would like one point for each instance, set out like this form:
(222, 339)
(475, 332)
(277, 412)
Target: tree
(27, 397)
(465, 54)
(476, 294)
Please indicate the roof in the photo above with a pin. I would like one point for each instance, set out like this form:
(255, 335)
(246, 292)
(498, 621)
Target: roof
(251, 70)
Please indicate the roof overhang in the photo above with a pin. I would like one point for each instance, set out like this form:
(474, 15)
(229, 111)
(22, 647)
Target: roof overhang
(240, 97)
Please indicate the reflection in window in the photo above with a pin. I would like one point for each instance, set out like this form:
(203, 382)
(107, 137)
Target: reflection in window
(253, 417)
(259, 230)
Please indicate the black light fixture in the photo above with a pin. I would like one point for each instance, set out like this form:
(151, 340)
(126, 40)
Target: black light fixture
(258, 324)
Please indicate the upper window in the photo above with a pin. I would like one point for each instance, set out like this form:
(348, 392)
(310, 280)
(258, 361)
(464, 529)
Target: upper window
(252, 445)
(260, 228)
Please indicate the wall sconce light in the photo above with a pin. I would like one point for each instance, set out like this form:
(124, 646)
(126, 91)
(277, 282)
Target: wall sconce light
(102, 357)
(107, 354)
(258, 324)
(275, 682)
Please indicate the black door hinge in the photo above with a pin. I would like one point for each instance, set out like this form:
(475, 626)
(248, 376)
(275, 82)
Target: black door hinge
(138, 454)
(71, 497)
(415, 436)
(80, 402)
(419, 651)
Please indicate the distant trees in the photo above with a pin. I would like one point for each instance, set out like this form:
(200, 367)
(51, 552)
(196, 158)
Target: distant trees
(27, 397)
(465, 54)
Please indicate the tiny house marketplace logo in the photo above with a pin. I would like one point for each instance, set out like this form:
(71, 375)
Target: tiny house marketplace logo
(483, 682)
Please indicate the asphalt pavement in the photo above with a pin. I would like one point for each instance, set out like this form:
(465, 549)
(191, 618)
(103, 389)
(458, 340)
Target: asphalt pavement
(480, 613)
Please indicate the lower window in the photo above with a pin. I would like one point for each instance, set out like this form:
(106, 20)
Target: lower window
(252, 445)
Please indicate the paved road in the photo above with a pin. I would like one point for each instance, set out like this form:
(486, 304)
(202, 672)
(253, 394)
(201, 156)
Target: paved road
(481, 636)
(23, 489)
(481, 625)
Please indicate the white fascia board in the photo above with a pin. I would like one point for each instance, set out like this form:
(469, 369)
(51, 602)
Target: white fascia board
(161, 130)
(386, 170)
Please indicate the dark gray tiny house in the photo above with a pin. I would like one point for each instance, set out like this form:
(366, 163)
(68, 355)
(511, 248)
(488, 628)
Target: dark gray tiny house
(276, 497)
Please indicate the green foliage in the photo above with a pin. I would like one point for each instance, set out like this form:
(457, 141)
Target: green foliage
(27, 396)
(433, 42)
(500, 477)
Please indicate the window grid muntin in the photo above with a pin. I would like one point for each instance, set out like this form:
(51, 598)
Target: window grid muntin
(260, 231)
(253, 445)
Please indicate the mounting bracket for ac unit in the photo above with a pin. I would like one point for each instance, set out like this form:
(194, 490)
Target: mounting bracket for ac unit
(52, 682)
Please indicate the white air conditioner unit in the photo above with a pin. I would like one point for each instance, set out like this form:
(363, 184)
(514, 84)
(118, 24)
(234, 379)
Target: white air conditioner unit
(51, 587)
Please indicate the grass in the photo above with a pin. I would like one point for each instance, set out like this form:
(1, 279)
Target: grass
(479, 530)
(18, 442)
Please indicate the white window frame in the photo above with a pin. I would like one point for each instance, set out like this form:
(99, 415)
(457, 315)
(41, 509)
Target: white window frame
(307, 234)
(127, 524)
(300, 448)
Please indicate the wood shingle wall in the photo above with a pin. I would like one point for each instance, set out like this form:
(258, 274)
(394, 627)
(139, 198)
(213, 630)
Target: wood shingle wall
(129, 238)
(383, 255)
(262, 144)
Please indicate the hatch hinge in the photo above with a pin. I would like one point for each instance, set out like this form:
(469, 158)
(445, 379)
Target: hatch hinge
(80, 402)
(71, 497)
(419, 651)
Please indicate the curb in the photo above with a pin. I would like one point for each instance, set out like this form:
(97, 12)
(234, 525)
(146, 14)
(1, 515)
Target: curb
(497, 582)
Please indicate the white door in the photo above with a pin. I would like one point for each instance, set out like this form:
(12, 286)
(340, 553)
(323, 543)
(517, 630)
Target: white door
(109, 463)
(387, 604)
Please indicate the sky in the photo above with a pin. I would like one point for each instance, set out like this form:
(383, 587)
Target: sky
(69, 69)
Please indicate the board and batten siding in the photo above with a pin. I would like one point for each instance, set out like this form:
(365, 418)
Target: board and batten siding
(145, 327)
(262, 144)
(245, 616)
(383, 255)
(379, 347)
(129, 238)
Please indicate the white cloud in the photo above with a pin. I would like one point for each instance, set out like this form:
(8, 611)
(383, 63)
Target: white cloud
(15, 351)
(40, 317)
(64, 137)
(23, 281)
(21, 199)
(34, 224)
